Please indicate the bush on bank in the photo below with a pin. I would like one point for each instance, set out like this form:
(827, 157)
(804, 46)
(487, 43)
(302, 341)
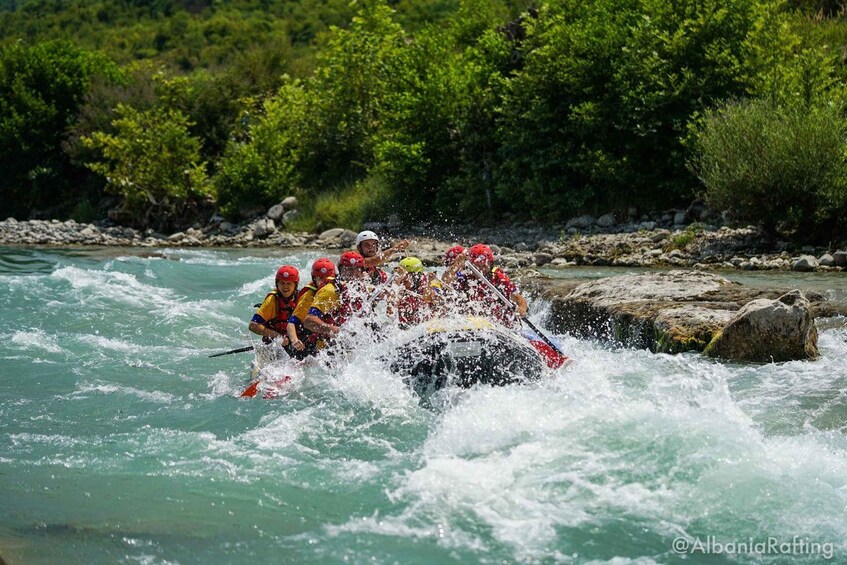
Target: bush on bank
(571, 107)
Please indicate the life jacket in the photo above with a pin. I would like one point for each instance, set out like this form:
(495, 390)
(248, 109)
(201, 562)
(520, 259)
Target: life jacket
(284, 309)
(377, 275)
(305, 335)
(478, 292)
(412, 310)
(347, 304)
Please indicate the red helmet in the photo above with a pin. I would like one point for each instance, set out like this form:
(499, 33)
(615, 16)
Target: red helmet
(351, 259)
(323, 267)
(452, 253)
(481, 252)
(287, 273)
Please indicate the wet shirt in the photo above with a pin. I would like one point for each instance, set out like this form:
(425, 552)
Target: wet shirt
(304, 302)
(326, 301)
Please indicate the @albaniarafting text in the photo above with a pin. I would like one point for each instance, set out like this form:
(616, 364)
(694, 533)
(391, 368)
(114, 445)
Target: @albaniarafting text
(710, 545)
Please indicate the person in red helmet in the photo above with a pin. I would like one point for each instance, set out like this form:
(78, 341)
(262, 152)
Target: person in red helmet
(271, 319)
(339, 299)
(452, 254)
(478, 292)
(303, 342)
(452, 277)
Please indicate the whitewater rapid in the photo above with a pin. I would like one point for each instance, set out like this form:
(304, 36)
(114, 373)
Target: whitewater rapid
(123, 442)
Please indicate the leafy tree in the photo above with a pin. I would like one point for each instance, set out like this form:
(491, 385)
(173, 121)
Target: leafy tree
(594, 119)
(153, 163)
(261, 169)
(41, 89)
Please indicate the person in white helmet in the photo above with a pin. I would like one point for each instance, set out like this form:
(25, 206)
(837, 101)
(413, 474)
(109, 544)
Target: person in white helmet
(367, 243)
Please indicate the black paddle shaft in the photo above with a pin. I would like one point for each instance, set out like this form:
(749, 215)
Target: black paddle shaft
(239, 350)
(508, 302)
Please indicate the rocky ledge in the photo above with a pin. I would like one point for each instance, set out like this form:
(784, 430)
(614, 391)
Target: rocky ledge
(679, 310)
(703, 248)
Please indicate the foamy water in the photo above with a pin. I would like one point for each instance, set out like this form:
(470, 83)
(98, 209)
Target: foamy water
(123, 442)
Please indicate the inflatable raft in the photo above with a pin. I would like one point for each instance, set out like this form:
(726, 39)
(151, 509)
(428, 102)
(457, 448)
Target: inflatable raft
(464, 352)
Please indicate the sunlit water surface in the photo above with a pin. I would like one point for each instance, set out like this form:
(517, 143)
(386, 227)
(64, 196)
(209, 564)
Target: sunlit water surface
(122, 442)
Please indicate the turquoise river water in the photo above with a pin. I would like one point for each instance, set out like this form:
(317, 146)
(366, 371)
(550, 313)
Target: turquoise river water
(122, 442)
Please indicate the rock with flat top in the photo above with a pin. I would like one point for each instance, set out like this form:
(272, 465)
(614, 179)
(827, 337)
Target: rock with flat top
(676, 311)
(768, 330)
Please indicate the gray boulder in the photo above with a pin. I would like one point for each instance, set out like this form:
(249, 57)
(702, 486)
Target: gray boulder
(348, 238)
(669, 312)
(840, 258)
(680, 218)
(264, 228)
(331, 233)
(769, 330)
(606, 221)
(290, 203)
(542, 258)
(581, 222)
(275, 212)
(826, 260)
(805, 263)
(288, 216)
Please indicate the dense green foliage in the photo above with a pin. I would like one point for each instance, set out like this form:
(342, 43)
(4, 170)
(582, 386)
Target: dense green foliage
(434, 109)
(41, 89)
(781, 166)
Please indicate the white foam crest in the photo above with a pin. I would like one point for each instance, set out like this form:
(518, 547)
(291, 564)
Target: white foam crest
(153, 396)
(36, 338)
(116, 286)
(57, 440)
(406, 527)
(279, 431)
(254, 288)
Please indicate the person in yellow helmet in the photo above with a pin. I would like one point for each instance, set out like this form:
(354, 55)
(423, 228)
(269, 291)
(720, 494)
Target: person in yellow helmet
(418, 294)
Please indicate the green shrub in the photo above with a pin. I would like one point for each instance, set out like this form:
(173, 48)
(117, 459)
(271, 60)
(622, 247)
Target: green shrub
(781, 166)
(153, 163)
(346, 208)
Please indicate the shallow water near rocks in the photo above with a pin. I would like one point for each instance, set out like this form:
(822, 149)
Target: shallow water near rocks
(122, 442)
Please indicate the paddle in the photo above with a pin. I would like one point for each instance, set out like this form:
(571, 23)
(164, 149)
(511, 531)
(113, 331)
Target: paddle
(239, 350)
(512, 305)
(250, 391)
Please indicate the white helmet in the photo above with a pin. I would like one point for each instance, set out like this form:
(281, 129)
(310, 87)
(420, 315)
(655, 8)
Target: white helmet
(366, 236)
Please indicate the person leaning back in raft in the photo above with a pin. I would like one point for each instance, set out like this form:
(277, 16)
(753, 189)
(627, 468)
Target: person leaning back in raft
(367, 243)
(418, 295)
(338, 299)
(481, 299)
(304, 342)
(271, 319)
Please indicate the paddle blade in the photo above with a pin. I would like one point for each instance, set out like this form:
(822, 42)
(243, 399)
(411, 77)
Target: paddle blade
(552, 357)
(251, 390)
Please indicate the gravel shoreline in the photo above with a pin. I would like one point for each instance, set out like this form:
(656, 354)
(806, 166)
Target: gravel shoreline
(645, 244)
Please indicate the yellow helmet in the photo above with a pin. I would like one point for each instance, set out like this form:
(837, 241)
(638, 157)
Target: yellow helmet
(412, 265)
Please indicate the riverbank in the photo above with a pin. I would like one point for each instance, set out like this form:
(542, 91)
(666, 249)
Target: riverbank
(644, 244)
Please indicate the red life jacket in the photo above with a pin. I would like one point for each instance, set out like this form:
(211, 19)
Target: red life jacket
(478, 291)
(377, 275)
(412, 310)
(311, 286)
(284, 309)
(347, 305)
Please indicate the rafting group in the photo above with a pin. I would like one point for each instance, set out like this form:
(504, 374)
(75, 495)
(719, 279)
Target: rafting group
(305, 320)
